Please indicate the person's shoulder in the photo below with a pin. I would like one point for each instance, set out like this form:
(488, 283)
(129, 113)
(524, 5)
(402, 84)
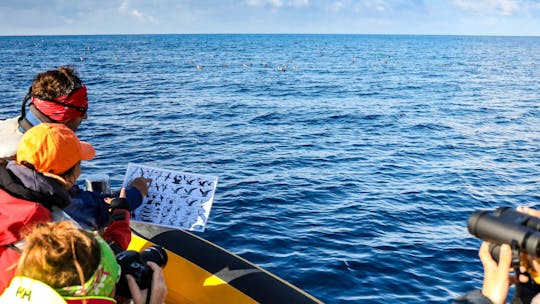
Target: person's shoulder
(9, 125)
(9, 121)
(10, 134)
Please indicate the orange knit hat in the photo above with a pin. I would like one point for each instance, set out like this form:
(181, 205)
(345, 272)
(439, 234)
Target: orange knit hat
(53, 148)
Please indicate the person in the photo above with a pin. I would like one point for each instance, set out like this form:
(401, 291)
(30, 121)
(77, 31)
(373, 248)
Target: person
(34, 189)
(64, 264)
(56, 96)
(497, 278)
(60, 96)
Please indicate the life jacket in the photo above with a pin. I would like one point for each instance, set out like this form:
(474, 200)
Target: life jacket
(16, 216)
(23, 290)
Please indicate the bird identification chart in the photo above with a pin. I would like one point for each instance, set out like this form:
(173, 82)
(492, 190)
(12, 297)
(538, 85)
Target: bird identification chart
(175, 199)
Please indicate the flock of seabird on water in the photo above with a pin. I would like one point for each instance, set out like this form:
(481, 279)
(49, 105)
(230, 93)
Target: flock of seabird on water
(282, 68)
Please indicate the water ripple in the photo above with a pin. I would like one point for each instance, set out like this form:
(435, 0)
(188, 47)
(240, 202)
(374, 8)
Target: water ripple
(348, 165)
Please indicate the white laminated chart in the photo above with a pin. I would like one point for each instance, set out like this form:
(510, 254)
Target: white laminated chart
(175, 199)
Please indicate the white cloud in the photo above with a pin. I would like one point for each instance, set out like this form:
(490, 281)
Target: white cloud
(489, 7)
(336, 6)
(278, 3)
(262, 3)
(123, 7)
(137, 14)
(376, 6)
(299, 3)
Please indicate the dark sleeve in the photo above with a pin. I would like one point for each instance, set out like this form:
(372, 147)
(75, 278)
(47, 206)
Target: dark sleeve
(525, 292)
(134, 197)
(88, 209)
(473, 297)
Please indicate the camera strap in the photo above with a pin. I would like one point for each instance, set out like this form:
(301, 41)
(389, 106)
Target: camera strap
(149, 293)
(516, 258)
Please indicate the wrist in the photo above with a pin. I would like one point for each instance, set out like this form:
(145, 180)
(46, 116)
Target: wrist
(119, 215)
(120, 204)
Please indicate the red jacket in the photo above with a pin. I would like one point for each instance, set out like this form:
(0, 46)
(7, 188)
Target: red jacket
(17, 215)
(118, 230)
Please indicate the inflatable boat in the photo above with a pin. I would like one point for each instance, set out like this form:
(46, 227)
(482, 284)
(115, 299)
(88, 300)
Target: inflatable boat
(199, 271)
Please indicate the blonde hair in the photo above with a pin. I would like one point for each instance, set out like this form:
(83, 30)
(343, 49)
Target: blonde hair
(52, 252)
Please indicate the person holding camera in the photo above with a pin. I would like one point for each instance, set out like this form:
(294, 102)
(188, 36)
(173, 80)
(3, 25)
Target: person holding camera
(497, 274)
(62, 263)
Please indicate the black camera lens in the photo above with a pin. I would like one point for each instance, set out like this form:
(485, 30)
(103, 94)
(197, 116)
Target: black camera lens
(155, 254)
(134, 263)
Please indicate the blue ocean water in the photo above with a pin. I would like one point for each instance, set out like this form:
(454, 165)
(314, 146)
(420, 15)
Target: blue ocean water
(348, 164)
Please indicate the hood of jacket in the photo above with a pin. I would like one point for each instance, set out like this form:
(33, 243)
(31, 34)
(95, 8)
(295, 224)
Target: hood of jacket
(28, 184)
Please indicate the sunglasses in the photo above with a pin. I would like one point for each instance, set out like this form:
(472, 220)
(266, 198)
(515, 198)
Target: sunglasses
(82, 110)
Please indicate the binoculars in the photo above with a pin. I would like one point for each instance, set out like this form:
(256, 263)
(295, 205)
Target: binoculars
(507, 226)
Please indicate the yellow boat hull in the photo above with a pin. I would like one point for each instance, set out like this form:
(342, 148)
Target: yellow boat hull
(199, 271)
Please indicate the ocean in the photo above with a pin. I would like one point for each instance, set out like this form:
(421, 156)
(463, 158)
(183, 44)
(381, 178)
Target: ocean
(348, 165)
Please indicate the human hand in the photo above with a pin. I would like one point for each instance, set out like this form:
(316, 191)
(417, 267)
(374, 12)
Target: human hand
(496, 276)
(118, 203)
(159, 288)
(141, 184)
(528, 211)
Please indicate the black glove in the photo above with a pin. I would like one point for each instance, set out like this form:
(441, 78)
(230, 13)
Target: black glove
(119, 203)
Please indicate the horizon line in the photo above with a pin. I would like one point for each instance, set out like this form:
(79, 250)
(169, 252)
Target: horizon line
(314, 34)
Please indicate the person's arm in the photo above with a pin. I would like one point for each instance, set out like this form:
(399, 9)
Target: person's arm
(496, 278)
(88, 209)
(118, 231)
(136, 191)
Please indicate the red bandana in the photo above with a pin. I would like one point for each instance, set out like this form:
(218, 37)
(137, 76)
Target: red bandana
(64, 108)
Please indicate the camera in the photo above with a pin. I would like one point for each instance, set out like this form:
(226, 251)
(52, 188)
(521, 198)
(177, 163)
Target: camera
(134, 263)
(507, 226)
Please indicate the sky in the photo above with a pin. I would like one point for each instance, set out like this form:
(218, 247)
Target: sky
(420, 17)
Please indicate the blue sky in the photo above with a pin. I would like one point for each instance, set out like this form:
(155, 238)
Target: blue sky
(436, 17)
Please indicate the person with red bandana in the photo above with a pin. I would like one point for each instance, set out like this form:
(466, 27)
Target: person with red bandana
(59, 96)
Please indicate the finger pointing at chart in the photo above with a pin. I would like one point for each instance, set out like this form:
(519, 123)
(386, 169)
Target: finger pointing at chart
(142, 184)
